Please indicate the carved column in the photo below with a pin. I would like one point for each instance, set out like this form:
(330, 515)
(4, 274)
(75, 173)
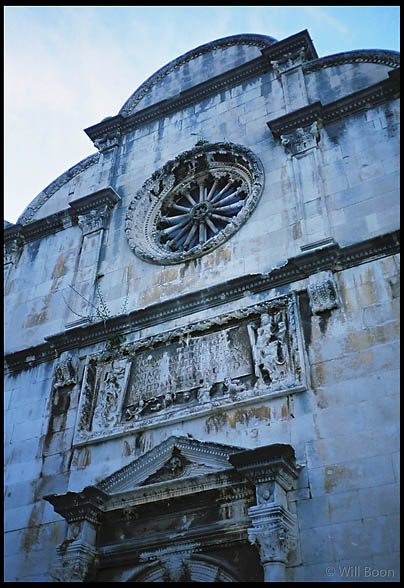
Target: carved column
(273, 472)
(92, 216)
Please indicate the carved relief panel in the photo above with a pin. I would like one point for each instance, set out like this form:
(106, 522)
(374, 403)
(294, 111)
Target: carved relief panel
(233, 359)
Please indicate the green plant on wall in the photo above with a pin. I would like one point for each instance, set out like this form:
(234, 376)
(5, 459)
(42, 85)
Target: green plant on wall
(102, 312)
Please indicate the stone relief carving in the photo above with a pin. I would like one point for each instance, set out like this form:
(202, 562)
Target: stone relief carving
(230, 359)
(108, 397)
(302, 139)
(65, 372)
(270, 348)
(93, 220)
(323, 292)
(289, 60)
(194, 203)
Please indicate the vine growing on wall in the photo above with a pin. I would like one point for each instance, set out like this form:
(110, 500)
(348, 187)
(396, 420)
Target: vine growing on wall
(101, 311)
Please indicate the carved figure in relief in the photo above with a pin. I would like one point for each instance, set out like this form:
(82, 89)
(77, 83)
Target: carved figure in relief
(269, 348)
(64, 372)
(134, 411)
(233, 387)
(107, 406)
(204, 392)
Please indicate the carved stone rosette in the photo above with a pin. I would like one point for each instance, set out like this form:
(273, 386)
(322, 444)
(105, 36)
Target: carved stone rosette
(194, 203)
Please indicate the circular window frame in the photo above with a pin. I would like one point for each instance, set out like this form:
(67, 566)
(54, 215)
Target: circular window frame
(204, 165)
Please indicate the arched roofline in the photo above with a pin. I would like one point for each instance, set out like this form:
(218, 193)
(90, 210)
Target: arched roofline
(43, 196)
(386, 57)
(261, 41)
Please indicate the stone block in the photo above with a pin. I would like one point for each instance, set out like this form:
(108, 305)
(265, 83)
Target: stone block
(316, 545)
(352, 475)
(312, 513)
(378, 501)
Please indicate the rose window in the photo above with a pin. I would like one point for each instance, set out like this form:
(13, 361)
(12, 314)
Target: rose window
(200, 211)
(194, 203)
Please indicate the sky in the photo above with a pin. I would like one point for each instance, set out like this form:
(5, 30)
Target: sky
(68, 67)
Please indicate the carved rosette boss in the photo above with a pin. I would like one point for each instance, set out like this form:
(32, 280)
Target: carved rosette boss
(194, 203)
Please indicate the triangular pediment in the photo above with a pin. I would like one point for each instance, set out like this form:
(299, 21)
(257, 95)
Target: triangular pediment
(175, 458)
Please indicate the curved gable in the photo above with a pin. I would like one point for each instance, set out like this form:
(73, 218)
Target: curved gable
(196, 66)
(335, 76)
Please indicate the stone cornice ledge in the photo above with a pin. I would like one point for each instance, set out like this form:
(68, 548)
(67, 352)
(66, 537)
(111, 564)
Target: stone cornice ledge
(292, 44)
(120, 124)
(330, 257)
(376, 94)
(62, 219)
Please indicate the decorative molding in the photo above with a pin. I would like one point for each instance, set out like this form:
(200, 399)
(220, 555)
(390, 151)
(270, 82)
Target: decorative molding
(31, 231)
(356, 102)
(331, 256)
(291, 52)
(116, 126)
(197, 171)
(29, 213)
(387, 58)
(261, 41)
(131, 498)
(105, 197)
(302, 139)
(12, 248)
(274, 472)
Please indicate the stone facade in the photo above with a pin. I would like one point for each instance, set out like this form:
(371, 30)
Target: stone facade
(202, 330)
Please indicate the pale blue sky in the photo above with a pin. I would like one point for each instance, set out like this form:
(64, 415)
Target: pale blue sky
(68, 67)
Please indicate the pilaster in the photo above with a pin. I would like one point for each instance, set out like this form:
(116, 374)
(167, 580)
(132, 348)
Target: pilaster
(273, 472)
(92, 216)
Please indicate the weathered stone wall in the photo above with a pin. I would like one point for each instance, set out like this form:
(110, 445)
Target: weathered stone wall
(342, 424)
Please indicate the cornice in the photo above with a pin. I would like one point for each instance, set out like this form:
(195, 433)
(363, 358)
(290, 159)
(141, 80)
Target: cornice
(120, 124)
(34, 230)
(29, 213)
(291, 44)
(104, 197)
(355, 102)
(249, 39)
(330, 257)
(378, 56)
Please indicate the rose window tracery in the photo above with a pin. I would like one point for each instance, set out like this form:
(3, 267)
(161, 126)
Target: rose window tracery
(199, 211)
(194, 203)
